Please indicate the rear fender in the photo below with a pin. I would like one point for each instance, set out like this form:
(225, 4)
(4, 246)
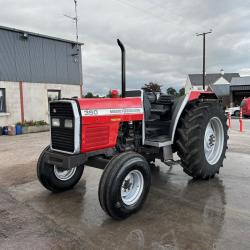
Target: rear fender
(182, 103)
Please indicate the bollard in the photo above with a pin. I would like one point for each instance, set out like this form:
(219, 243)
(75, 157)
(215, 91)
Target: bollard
(241, 121)
(229, 119)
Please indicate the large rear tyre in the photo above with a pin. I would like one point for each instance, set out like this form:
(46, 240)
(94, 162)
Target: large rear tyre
(201, 139)
(124, 185)
(56, 179)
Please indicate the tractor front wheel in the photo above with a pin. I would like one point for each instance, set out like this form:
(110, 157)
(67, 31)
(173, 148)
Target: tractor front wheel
(201, 139)
(56, 179)
(124, 185)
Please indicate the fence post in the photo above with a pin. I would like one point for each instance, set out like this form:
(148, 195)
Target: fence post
(229, 119)
(241, 121)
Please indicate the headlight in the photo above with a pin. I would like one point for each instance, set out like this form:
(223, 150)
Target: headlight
(55, 122)
(68, 124)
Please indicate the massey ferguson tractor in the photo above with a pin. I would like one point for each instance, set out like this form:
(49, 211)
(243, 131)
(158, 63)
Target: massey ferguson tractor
(124, 135)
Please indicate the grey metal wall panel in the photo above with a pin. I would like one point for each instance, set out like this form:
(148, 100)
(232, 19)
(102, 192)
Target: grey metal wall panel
(61, 65)
(73, 65)
(22, 49)
(7, 56)
(36, 59)
(49, 50)
(240, 88)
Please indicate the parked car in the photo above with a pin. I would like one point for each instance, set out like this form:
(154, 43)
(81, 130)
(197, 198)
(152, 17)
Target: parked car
(233, 111)
(245, 104)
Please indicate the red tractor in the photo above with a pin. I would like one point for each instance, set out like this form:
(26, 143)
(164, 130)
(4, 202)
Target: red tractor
(124, 135)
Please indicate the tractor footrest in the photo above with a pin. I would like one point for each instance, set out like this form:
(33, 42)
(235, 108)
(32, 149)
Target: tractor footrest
(158, 141)
(171, 163)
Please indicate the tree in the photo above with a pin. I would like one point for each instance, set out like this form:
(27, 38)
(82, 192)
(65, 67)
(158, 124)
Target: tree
(152, 87)
(89, 95)
(181, 92)
(171, 91)
(109, 95)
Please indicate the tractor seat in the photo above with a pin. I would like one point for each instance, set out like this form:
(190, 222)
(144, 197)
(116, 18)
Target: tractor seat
(165, 99)
(163, 105)
(160, 109)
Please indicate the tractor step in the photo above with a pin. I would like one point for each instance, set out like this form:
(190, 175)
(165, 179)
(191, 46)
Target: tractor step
(158, 141)
(171, 163)
(152, 129)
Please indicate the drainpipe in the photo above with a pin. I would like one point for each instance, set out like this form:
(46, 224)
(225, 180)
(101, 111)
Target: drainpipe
(21, 100)
(81, 90)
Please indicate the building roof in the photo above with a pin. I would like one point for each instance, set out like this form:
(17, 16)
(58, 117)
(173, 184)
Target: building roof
(240, 81)
(38, 35)
(210, 79)
(221, 89)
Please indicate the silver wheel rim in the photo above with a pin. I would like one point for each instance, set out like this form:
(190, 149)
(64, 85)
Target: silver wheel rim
(64, 175)
(214, 140)
(132, 187)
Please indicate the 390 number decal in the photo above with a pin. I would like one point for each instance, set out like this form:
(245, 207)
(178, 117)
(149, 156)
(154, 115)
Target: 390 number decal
(91, 112)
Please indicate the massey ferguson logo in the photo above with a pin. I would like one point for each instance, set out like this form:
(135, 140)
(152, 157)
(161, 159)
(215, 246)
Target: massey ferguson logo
(54, 111)
(101, 112)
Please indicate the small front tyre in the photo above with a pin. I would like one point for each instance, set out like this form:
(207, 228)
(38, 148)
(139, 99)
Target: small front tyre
(56, 179)
(124, 185)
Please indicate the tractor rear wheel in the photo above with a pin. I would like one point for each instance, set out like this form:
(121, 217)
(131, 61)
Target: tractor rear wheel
(201, 139)
(56, 179)
(124, 185)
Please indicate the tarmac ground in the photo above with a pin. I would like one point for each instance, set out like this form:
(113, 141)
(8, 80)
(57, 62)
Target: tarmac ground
(179, 213)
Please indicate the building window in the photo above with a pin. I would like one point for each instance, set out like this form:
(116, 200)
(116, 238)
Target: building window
(2, 101)
(54, 94)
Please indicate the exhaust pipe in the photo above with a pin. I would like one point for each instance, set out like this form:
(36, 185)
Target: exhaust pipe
(123, 67)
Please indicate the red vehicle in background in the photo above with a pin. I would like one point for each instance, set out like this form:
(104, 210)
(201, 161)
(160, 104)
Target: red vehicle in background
(245, 105)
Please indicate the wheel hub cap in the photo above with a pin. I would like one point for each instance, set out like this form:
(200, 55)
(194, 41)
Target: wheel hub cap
(213, 140)
(132, 187)
(64, 175)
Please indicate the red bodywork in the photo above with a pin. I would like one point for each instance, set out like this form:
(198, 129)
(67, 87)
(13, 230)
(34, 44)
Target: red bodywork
(101, 119)
(194, 95)
(246, 106)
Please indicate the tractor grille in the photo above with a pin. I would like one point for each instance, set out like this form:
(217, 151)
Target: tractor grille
(62, 138)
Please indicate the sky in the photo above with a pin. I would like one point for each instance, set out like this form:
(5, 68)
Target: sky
(159, 36)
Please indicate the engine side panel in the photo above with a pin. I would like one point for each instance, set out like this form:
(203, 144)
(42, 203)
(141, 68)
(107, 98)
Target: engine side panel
(101, 119)
(99, 136)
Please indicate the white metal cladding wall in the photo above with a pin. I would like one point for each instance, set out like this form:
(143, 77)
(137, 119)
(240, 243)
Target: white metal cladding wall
(13, 111)
(37, 59)
(35, 100)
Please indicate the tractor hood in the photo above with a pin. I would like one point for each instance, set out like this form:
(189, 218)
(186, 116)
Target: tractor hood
(101, 118)
(103, 110)
(110, 103)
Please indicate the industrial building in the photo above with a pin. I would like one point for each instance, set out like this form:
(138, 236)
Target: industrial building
(239, 89)
(35, 69)
(219, 83)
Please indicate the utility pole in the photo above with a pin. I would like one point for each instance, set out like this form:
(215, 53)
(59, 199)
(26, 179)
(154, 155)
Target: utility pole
(75, 19)
(204, 55)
